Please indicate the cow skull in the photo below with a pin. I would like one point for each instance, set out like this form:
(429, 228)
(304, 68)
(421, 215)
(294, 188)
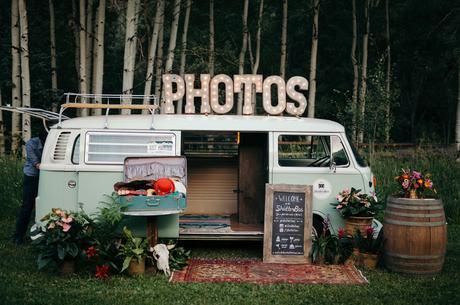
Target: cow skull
(161, 255)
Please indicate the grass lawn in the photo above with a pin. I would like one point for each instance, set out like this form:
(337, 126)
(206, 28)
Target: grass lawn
(21, 283)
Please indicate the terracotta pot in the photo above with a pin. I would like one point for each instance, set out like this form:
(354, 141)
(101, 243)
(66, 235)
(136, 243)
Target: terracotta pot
(67, 267)
(369, 260)
(354, 223)
(136, 267)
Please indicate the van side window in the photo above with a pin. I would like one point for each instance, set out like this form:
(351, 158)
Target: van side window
(310, 151)
(114, 147)
(76, 151)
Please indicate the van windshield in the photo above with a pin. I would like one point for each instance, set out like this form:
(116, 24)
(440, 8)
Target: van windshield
(361, 161)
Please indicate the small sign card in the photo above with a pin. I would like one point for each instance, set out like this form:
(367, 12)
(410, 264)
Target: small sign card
(288, 223)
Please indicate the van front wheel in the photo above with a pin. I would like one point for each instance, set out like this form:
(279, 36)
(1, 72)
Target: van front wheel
(318, 226)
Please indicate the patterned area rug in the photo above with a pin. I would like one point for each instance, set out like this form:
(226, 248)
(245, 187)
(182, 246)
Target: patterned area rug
(255, 271)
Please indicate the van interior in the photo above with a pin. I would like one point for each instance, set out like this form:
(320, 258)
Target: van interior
(227, 172)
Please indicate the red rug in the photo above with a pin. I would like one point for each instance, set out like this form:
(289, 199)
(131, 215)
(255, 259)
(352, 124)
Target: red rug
(255, 271)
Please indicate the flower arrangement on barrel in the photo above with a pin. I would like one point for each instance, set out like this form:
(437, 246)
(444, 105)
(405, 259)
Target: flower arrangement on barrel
(413, 184)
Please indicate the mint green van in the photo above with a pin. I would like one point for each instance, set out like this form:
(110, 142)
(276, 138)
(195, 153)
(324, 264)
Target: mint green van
(230, 158)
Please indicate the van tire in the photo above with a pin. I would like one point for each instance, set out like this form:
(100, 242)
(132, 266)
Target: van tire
(318, 226)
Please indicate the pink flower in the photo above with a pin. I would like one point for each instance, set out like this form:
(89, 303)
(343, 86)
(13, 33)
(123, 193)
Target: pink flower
(51, 225)
(369, 231)
(66, 227)
(341, 233)
(339, 207)
(102, 272)
(416, 175)
(67, 219)
(406, 183)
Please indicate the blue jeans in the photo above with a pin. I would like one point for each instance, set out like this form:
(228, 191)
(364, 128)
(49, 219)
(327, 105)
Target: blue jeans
(29, 192)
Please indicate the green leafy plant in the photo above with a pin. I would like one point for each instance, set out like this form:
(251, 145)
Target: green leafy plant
(132, 248)
(178, 256)
(330, 248)
(65, 235)
(351, 202)
(369, 244)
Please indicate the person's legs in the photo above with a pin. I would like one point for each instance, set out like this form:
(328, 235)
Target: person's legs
(29, 193)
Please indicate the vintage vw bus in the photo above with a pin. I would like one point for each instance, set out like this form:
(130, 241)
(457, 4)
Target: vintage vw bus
(229, 160)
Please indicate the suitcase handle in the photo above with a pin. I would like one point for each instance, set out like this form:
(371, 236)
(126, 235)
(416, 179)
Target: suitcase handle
(153, 202)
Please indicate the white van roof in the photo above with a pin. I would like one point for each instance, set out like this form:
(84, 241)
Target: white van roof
(201, 122)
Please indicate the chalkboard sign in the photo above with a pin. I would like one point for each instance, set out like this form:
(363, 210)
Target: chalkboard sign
(288, 221)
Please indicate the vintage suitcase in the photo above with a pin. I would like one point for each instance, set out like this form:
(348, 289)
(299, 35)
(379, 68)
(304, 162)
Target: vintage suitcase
(153, 168)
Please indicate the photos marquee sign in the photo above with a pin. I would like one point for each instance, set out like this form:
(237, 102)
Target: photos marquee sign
(209, 93)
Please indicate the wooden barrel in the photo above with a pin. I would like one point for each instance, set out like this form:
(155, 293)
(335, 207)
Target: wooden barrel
(415, 235)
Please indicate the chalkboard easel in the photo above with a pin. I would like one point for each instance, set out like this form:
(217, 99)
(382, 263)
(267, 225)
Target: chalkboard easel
(288, 223)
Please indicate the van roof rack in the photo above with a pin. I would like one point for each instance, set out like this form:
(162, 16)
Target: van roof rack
(103, 101)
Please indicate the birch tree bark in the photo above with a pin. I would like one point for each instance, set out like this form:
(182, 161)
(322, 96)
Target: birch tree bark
(53, 47)
(159, 60)
(388, 76)
(354, 61)
(89, 44)
(183, 52)
(74, 23)
(98, 75)
(211, 38)
(2, 129)
(173, 37)
(255, 64)
(15, 77)
(313, 61)
(284, 40)
(172, 41)
(83, 66)
(244, 45)
(129, 59)
(152, 50)
(25, 72)
(362, 93)
(457, 126)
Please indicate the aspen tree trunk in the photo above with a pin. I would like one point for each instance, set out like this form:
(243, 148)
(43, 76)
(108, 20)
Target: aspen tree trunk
(89, 44)
(159, 60)
(2, 129)
(83, 78)
(173, 37)
(255, 66)
(76, 32)
(211, 37)
(25, 72)
(98, 76)
(354, 61)
(152, 51)
(362, 93)
(130, 51)
(183, 49)
(244, 45)
(93, 67)
(457, 126)
(313, 61)
(172, 41)
(388, 76)
(53, 47)
(284, 40)
(15, 77)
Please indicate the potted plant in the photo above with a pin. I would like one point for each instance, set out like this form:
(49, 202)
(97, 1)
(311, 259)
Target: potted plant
(63, 239)
(330, 248)
(357, 208)
(367, 248)
(133, 250)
